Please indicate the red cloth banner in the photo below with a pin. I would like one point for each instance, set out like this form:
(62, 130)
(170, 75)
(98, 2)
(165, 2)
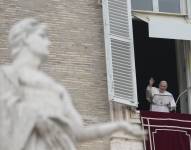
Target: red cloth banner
(167, 131)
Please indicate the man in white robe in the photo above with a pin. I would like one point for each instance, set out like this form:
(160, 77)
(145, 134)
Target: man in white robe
(160, 99)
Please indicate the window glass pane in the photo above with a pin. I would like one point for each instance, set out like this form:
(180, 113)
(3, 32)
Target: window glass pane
(172, 6)
(142, 4)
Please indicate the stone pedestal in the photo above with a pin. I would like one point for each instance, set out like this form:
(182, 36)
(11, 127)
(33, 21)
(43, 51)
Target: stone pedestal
(120, 141)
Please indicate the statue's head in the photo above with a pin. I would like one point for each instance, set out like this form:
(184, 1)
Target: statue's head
(29, 34)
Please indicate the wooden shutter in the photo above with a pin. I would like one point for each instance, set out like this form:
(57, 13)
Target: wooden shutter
(120, 51)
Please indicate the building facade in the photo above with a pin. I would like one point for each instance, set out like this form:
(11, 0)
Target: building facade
(143, 39)
(134, 34)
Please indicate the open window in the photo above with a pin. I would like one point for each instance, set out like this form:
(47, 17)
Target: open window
(162, 30)
(154, 57)
(171, 34)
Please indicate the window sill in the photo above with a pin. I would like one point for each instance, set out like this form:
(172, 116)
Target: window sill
(159, 13)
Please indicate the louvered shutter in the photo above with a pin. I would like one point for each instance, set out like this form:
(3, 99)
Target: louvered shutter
(120, 51)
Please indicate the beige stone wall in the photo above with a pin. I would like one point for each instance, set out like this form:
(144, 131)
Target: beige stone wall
(77, 57)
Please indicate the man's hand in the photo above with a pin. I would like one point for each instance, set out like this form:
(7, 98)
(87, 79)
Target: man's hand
(151, 82)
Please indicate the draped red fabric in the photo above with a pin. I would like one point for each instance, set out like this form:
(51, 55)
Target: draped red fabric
(167, 131)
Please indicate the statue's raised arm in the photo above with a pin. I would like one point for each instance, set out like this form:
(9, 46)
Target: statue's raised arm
(36, 111)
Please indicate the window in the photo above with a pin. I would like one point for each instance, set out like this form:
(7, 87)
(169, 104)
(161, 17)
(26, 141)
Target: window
(142, 5)
(172, 6)
(160, 6)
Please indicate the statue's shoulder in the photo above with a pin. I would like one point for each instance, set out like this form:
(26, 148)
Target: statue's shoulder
(2, 74)
(5, 71)
(7, 81)
(32, 74)
(30, 77)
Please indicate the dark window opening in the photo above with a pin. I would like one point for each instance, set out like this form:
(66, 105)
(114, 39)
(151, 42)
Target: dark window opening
(155, 58)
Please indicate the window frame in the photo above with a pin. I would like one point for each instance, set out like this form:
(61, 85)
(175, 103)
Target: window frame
(184, 6)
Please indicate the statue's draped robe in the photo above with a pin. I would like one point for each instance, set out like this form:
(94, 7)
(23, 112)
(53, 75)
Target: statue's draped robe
(31, 116)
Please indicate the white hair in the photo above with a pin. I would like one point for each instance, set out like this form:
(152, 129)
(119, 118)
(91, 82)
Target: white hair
(20, 31)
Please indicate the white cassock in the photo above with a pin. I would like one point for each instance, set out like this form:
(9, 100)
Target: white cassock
(160, 102)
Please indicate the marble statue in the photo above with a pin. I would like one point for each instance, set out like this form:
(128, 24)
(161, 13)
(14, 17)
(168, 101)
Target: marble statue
(36, 112)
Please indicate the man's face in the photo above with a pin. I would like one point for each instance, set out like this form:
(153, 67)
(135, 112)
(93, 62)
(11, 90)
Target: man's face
(163, 86)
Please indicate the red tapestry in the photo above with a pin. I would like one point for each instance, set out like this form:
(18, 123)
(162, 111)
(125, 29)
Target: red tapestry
(167, 131)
